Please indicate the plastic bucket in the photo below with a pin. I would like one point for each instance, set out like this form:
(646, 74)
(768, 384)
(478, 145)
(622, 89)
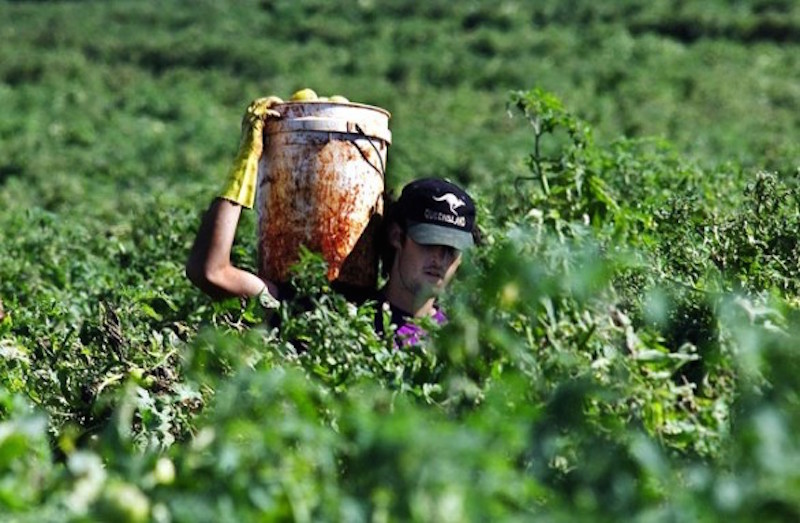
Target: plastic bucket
(320, 185)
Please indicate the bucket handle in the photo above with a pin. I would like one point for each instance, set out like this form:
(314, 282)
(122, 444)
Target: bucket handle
(382, 170)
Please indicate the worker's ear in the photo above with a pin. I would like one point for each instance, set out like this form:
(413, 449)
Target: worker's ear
(396, 236)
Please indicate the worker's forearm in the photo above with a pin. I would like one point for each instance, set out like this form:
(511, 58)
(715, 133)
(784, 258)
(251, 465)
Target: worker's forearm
(230, 281)
(209, 266)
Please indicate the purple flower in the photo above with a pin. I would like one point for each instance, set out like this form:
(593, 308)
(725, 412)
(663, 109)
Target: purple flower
(410, 334)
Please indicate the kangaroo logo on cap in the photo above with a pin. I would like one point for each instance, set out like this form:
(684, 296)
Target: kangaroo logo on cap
(452, 200)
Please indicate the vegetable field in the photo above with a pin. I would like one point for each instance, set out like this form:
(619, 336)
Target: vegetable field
(622, 347)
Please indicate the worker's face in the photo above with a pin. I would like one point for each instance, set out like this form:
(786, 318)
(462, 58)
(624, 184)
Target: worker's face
(423, 270)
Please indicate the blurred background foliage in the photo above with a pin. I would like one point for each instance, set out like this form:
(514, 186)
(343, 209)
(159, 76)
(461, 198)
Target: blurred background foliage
(621, 348)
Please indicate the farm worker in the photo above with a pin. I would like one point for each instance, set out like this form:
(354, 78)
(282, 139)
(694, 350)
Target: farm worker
(423, 236)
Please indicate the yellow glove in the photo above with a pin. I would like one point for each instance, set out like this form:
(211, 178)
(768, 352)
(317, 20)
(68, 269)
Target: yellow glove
(240, 186)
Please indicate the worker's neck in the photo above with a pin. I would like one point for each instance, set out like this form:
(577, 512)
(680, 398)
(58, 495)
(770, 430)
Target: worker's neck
(401, 298)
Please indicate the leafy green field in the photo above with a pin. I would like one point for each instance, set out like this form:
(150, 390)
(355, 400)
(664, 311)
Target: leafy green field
(623, 346)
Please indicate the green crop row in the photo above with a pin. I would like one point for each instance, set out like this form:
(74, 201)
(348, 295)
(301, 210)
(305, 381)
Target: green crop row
(620, 348)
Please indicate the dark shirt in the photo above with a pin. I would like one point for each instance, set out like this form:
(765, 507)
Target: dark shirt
(407, 333)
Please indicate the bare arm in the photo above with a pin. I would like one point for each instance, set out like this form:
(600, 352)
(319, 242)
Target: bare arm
(209, 266)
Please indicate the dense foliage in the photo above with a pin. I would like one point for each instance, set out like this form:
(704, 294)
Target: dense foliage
(621, 347)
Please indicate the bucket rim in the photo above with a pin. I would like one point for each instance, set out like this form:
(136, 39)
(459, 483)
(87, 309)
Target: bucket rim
(328, 125)
(328, 102)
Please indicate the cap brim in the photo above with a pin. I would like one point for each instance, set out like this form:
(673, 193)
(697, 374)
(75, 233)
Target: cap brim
(429, 234)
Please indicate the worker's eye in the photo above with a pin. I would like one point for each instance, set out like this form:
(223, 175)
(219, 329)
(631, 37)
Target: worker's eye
(451, 253)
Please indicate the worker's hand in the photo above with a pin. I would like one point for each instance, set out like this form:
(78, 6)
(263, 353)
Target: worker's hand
(240, 186)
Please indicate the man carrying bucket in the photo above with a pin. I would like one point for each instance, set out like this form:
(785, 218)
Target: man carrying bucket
(423, 236)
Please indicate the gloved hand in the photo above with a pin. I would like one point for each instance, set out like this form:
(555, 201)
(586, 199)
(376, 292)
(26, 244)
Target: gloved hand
(240, 186)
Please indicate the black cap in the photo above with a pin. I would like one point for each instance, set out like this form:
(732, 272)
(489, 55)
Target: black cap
(438, 212)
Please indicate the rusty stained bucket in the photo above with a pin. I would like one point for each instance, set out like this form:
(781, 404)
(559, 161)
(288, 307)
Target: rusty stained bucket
(321, 184)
